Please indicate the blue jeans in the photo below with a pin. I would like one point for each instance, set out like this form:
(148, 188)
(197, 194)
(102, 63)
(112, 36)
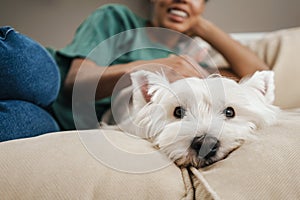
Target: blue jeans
(29, 83)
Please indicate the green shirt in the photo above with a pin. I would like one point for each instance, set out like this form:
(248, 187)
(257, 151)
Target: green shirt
(104, 38)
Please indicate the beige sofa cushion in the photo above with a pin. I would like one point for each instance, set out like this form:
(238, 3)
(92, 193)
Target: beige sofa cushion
(59, 166)
(281, 51)
(267, 168)
(63, 166)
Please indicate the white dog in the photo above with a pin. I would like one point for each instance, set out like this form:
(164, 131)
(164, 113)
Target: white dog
(196, 122)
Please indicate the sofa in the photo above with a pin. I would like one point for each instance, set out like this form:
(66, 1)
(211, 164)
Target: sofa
(76, 165)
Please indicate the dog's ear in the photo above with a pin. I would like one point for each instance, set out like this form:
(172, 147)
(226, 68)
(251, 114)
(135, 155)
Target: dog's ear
(145, 84)
(262, 81)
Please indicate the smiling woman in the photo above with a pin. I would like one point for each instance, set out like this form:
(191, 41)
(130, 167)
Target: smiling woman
(179, 16)
(182, 17)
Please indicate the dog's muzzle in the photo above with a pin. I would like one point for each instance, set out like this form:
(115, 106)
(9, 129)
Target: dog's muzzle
(206, 146)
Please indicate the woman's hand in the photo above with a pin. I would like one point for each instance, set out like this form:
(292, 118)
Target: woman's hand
(241, 59)
(174, 67)
(199, 28)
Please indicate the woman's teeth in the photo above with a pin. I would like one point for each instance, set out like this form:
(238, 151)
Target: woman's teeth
(179, 13)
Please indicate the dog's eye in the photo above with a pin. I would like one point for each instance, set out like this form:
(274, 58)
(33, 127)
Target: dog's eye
(179, 112)
(229, 112)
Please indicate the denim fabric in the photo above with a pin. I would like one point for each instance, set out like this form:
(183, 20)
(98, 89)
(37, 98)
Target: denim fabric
(22, 119)
(27, 72)
(29, 83)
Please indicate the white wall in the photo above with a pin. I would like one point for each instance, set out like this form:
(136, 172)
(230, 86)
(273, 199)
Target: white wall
(254, 15)
(53, 22)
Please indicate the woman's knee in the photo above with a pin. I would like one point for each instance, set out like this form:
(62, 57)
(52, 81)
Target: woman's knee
(21, 119)
(27, 71)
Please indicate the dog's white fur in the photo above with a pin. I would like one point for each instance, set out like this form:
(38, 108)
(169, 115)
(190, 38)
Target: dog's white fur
(154, 98)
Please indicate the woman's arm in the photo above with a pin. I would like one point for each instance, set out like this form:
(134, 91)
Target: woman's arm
(241, 60)
(87, 73)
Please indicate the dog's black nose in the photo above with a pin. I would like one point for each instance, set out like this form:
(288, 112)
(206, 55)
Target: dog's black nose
(206, 146)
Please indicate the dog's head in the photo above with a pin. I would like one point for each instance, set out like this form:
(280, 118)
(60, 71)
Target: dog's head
(197, 122)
